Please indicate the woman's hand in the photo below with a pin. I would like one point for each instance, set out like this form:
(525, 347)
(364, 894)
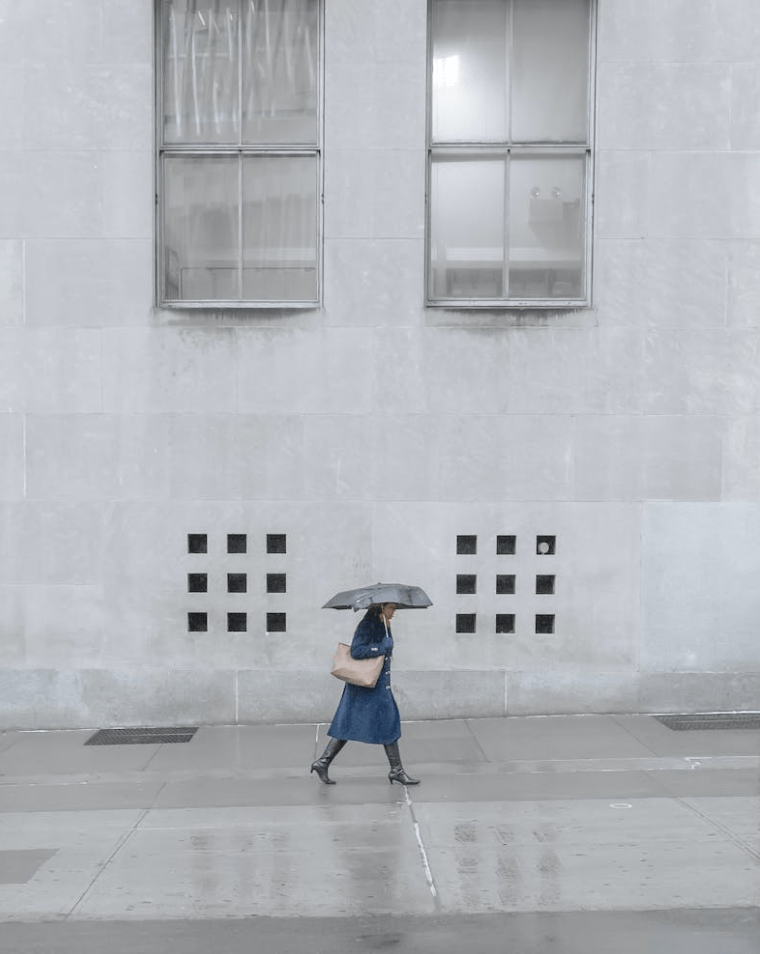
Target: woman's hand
(370, 650)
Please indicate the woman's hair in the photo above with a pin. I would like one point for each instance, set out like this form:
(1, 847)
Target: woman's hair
(374, 611)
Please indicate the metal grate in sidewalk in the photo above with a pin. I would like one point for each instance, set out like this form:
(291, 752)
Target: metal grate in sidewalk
(142, 736)
(711, 720)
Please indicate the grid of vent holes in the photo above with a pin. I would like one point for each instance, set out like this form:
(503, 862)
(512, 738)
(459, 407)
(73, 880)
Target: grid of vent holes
(237, 622)
(506, 583)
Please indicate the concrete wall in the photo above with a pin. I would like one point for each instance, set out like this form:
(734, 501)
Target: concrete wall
(372, 431)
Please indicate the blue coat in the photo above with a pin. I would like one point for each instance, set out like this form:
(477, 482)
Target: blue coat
(369, 715)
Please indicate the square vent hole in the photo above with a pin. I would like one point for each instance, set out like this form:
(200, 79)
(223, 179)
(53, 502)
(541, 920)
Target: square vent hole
(505, 622)
(545, 585)
(197, 543)
(237, 543)
(277, 543)
(197, 622)
(276, 583)
(544, 622)
(506, 545)
(237, 622)
(237, 583)
(465, 622)
(546, 546)
(197, 582)
(276, 622)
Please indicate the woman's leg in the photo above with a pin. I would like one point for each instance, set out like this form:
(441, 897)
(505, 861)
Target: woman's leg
(397, 773)
(323, 762)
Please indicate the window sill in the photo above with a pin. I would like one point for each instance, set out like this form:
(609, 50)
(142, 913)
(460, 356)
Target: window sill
(560, 315)
(238, 306)
(497, 304)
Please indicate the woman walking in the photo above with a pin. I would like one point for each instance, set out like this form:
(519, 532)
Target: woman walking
(368, 715)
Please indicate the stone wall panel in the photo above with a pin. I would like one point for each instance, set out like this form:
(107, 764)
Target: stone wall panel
(372, 430)
(88, 283)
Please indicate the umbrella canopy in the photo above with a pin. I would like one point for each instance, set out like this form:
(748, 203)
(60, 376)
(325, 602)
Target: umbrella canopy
(404, 596)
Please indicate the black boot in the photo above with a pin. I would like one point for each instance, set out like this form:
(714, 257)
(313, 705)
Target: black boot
(323, 762)
(397, 773)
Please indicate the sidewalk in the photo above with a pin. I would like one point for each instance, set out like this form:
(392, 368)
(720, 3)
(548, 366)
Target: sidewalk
(555, 814)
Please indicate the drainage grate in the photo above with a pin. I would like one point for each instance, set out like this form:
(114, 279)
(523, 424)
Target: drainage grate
(711, 720)
(141, 736)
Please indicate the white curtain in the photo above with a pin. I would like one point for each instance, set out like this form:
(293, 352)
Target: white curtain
(240, 71)
(240, 224)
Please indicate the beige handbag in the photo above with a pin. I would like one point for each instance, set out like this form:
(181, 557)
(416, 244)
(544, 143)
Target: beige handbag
(359, 672)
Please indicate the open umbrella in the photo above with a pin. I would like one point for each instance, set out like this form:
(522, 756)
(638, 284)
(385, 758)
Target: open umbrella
(403, 595)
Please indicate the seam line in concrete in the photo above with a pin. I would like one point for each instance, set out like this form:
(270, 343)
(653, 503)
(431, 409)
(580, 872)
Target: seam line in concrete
(147, 764)
(476, 740)
(24, 460)
(121, 841)
(153, 805)
(633, 735)
(23, 283)
(733, 838)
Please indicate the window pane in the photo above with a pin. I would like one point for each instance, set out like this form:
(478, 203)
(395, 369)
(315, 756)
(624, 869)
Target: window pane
(469, 70)
(201, 75)
(280, 83)
(546, 230)
(550, 70)
(201, 248)
(467, 228)
(280, 228)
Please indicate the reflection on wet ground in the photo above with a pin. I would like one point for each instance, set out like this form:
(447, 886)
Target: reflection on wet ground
(709, 931)
(531, 834)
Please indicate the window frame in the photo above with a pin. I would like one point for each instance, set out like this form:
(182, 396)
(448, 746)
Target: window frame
(163, 150)
(507, 149)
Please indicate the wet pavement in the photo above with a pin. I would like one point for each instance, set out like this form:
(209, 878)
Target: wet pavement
(566, 834)
(733, 931)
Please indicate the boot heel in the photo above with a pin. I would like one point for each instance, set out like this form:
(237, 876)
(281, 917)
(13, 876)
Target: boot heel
(322, 764)
(397, 772)
(402, 778)
(321, 769)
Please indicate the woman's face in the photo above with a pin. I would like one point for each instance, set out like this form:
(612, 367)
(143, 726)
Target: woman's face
(388, 610)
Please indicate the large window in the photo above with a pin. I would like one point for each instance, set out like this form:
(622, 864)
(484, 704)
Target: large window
(509, 157)
(239, 163)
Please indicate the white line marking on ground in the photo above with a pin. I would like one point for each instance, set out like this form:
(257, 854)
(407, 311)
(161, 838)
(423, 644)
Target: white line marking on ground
(421, 846)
